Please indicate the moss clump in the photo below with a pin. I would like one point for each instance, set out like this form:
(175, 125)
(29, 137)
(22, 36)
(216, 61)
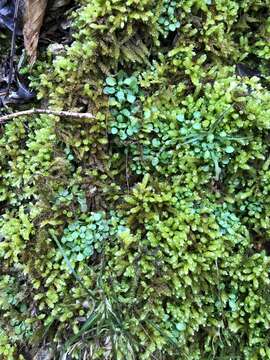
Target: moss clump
(143, 233)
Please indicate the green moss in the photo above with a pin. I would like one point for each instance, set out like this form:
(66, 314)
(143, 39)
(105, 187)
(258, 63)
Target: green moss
(142, 233)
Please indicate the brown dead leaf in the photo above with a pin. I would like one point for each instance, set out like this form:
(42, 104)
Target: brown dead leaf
(33, 18)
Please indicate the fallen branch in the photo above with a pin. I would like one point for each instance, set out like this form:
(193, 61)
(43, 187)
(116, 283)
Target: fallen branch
(8, 117)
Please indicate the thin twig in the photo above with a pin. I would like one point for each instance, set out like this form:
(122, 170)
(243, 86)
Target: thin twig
(13, 46)
(8, 117)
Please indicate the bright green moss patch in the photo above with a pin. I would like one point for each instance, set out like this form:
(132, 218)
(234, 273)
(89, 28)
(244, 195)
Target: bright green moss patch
(142, 233)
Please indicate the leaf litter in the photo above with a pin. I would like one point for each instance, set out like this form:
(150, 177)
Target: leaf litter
(25, 26)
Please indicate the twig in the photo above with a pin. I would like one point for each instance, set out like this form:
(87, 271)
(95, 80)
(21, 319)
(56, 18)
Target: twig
(13, 46)
(8, 117)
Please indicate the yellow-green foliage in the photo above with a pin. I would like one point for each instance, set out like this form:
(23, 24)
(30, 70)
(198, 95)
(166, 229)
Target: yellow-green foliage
(142, 233)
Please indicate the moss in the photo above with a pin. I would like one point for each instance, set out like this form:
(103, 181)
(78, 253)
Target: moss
(142, 233)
